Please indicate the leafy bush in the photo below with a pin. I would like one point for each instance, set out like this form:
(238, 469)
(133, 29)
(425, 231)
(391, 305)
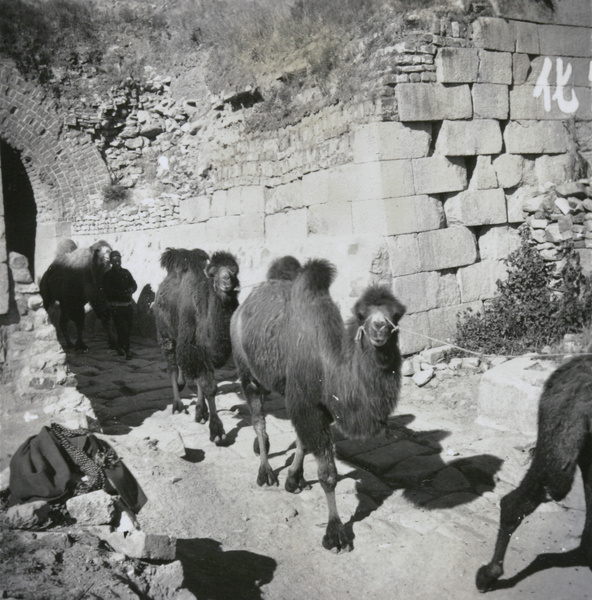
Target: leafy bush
(115, 194)
(536, 305)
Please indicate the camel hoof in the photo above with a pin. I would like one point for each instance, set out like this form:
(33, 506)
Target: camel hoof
(266, 477)
(295, 486)
(337, 539)
(179, 408)
(219, 440)
(487, 575)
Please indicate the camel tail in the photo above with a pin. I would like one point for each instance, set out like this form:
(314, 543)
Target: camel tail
(316, 276)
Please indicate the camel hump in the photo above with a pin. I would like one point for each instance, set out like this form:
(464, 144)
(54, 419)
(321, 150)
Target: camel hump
(286, 268)
(317, 275)
(181, 260)
(66, 246)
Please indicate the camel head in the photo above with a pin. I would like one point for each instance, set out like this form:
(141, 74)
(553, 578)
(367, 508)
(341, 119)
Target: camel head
(376, 315)
(100, 256)
(222, 271)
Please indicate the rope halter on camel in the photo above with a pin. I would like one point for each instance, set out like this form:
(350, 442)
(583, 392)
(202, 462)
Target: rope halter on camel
(361, 331)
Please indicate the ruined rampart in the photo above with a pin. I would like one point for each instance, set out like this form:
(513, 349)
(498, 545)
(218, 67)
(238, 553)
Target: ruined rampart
(419, 182)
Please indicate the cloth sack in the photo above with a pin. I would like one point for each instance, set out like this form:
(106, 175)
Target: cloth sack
(58, 463)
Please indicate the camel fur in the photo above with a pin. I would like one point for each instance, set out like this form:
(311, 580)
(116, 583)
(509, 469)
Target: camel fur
(192, 310)
(288, 337)
(74, 279)
(564, 443)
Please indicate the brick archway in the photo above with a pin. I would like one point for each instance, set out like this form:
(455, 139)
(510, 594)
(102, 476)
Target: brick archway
(64, 167)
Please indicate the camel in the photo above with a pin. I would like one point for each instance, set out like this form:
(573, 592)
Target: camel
(74, 279)
(564, 442)
(288, 337)
(192, 310)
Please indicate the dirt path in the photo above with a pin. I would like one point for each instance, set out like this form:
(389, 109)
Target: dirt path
(423, 506)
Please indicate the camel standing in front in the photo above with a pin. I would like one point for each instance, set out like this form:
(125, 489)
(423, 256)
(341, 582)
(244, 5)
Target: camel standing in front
(288, 337)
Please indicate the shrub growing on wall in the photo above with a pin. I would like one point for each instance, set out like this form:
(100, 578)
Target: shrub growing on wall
(538, 303)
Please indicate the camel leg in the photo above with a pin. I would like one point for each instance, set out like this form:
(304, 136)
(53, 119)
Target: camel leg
(295, 481)
(255, 400)
(77, 315)
(207, 387)
(336, 537)
(585, 463)
(515, 506)
(64, 327)
(168, 349)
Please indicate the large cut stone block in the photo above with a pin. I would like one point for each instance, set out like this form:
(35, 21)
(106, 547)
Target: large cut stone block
(476, 207)
(509, 169)
(252, 199)
(443, 322)
(433, 101)
(383, 179)
(418, 292)
(282, 197)
(484, 176)
(334, 218)
(492, 33)
(315, 187)
(464, 138)
(560, 40)
(414, 333)
(490, 101)
(526, 104)
(495, 67)
(4, 290)
(478, 281)
(578, 77)
(527, 37)
(397, 216)
(509, 394)
(498, 242)
(446, 248)
(195, 210)
(251, 226)
(222, 229)
(290, 225)
(439, 174)
(535, 137)
(457, 65)
(403, 253)
(218, 203)
(391, 141)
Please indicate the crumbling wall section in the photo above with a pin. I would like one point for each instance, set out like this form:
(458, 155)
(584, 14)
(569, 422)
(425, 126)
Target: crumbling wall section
(422, 184)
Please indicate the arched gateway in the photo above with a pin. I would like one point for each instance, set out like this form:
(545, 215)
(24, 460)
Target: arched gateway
(64, 169)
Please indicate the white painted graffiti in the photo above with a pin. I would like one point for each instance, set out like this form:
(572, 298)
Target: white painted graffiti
(567, 100)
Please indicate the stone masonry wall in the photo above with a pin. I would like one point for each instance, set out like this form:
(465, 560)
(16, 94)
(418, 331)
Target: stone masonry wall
(421, 183)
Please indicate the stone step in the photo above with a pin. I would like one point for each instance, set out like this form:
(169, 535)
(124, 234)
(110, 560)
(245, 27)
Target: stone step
(509, 394)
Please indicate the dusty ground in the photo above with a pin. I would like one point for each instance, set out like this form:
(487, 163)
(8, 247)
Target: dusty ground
(423, 507)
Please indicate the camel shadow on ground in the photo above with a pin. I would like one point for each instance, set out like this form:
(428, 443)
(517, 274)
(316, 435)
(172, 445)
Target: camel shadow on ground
(213, 574)
(543, 562)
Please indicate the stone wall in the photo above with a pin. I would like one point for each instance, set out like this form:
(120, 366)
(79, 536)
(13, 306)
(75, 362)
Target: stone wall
(420, 182)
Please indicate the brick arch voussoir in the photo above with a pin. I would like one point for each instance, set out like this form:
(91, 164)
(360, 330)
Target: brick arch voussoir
(65, 169)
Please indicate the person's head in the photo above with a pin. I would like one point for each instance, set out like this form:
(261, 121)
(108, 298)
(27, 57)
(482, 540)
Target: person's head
(115, 258)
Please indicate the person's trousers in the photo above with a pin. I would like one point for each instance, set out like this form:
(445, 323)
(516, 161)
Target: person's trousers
(123, 321)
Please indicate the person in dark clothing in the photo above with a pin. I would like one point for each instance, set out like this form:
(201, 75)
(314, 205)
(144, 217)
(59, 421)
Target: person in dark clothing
(119, 285)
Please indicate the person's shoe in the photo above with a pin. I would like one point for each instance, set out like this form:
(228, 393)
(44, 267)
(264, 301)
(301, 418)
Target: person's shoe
(128, 355)
(120, 351)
